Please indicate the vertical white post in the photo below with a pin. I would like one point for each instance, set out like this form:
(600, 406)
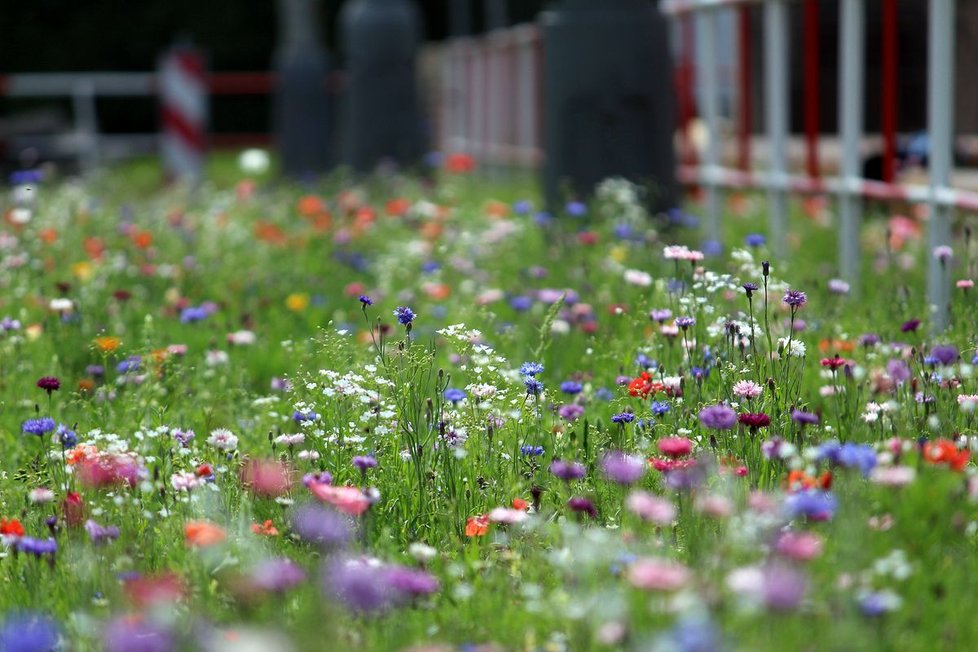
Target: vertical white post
(706, 45)
(940, 130)
(86, 124)
(851, 54)
(776, 105)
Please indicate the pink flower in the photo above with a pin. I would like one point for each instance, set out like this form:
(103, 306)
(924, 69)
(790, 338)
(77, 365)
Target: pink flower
(655, 574)
(714, 506)
(507, 516)
(651, 508)
(349, 500)
(675, 446)
(799, 546)
(893, 476)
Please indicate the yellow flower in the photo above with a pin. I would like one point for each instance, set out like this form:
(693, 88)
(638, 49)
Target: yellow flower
(297, 301)
(618, 253)
(82, 270)
(107, 343)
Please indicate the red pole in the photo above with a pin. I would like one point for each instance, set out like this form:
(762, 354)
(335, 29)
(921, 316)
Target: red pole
(888, 112)
(744, 90)
(685, 83)
(811, 91)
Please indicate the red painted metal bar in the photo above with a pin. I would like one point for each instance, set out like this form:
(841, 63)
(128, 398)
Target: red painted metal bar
(685, 80)
(744, 89)
(888, 95)
(811, 88)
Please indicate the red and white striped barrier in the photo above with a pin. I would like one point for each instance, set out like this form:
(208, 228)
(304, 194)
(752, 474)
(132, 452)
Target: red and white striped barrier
(183, 113)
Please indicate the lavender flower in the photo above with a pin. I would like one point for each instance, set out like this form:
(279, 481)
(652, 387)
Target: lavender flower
(945, 354)
(621, 468)
(321, 526)
(718, 417)
(531, 369)
(795, 298)
(125, 634)
(37, 547)
(804, 418)
(582, 505)
(570, 411)
(685, 322)
(364, 462)
(568, 470)
(101, 534)
(571, 387)
(277, 575)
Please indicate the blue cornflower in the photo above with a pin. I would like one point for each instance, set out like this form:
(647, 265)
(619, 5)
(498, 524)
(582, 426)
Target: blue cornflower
(299, 417)
(712, 247)
(533, 386)
(659, 408)
(644, 362)
(531, 369)
(366, 301)
(522, 207)
(685, 322)
(37, 426)
(571, 387)
(521, 303)
(754, 240)
(812, 505)
(404, 315)
(623, 231)
(130, 364)
(430, 266)
(193, 314)
(531, 451)
(29, 632)
(576, 208)
(603, 394)
(542, 218)
(623, 417)
(454, 395)
(66, 436)
(848, 455)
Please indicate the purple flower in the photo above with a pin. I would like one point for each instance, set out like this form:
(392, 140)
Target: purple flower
(784, 587)
(321, 526)
(910, 326)
(404, 315)
(660, 315)
(366, 301)
(29, 632)
(795, 298)
(364, 462)
(812, 505)
(410, 582)
(685, 322)
(945, 353)
(37, 547)
(277, 575)
(754, 239)
(621, 468)
(582, 505)
(570, 412)
(750, 288)
(533, 387)
(101, 534)
(183, 437)
(193, 314)
(718, 417)
(125, 634)
(359, 585)
(804, 418)
(531, 369)
(567, 470)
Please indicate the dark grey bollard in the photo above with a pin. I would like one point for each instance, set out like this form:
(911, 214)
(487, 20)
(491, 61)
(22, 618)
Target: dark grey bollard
(301, 109)
(381, 116)
(608, 98)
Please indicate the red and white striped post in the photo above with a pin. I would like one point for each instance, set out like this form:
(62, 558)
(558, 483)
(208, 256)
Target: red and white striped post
(183, 113)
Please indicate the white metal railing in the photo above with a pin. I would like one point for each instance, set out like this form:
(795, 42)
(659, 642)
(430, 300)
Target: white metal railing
(849, 186)
(491, 97)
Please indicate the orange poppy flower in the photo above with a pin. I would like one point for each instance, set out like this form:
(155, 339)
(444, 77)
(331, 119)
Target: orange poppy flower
(94, 247)
(398, 207)
(201, 534)
(520, 504)
(142, 239)
(944, 451)
(270, 233)
(459, 163)
(48, 236)
(800, 481)
(11, 528)
(477, 526)
(265, 529)
(310, 206)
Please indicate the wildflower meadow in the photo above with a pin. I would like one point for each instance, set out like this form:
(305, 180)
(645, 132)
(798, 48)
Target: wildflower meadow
(405, 414)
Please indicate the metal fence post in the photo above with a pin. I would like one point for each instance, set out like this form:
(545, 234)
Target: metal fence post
(776, 100)
(940, 128)
(706, 39)
(851, 53)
